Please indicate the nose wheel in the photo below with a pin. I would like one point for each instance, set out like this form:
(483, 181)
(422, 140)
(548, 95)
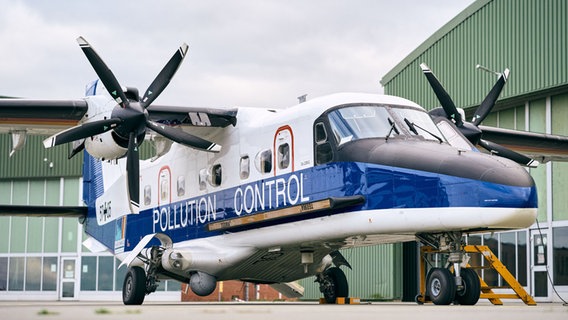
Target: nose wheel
(441, 286)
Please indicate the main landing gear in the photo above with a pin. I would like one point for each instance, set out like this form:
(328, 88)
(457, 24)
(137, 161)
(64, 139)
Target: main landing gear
(139, 282)
(333, 284)
(453, 282)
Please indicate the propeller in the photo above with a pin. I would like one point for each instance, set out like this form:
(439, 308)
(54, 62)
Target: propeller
(471, 129)
(129, 119)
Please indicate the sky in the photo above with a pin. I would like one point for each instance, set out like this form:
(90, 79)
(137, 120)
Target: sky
(241, 53)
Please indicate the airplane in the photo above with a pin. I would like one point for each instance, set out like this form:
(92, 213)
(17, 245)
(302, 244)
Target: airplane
(271, 195)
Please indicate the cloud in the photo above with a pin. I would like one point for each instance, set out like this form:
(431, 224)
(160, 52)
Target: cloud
(246, 53)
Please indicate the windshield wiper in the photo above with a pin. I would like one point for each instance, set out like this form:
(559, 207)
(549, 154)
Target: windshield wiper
(392, 128)
(413, 127)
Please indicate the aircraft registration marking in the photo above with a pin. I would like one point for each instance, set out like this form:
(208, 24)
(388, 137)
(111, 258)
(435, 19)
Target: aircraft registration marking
(270, 215)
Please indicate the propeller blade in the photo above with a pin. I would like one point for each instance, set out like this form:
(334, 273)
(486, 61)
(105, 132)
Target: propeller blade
(133, 173)
(442, 95)
(182, 137)
(508, 153)
(489, 102)
(81, 131)
(164, 77)
(107, 77)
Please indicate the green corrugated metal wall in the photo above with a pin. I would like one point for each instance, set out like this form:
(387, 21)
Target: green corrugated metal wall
(376, 274)
(33, 160)
(527, 36)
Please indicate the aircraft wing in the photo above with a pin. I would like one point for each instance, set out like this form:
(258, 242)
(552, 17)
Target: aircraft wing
(48, 117)
(539, 146)
(40, 117)
(192, 116)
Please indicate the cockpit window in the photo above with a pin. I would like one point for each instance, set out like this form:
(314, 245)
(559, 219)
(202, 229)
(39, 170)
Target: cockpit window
(455, 139)
(359, 122)
(419, 123)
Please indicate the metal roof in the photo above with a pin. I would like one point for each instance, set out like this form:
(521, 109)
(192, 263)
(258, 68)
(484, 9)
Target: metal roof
(529, 37)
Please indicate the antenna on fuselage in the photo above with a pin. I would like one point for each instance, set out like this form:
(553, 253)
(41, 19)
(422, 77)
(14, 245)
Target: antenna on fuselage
(302, 98)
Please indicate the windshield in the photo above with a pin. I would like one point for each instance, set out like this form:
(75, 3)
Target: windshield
(419, 123)
(377, 121)
(352, 123)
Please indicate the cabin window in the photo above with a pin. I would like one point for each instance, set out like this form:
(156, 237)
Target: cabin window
(147, 195)
(202, 179)
(164, 187)
(245, 167)
(284, 156)
(216, 175)
(181, 186)
(263, 161)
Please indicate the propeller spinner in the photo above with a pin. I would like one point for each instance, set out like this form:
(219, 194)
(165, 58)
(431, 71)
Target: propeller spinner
(129, 119)
(471, 130)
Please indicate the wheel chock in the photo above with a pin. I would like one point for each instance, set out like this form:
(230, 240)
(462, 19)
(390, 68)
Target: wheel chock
(342, 300)
(353, 300)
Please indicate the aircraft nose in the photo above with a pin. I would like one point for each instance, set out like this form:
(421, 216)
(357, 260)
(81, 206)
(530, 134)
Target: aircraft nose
(453, 177)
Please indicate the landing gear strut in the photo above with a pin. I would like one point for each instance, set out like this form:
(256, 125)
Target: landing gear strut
(333, 284)
(139, 282)
(454, 282)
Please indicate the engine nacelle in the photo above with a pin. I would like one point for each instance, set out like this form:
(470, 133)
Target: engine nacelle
(104, 147)
(202, 284)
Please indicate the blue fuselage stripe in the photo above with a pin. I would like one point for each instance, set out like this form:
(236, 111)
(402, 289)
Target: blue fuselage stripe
(384, 187)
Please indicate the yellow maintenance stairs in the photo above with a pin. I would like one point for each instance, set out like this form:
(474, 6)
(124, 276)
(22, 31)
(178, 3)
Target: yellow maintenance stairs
(486, 291)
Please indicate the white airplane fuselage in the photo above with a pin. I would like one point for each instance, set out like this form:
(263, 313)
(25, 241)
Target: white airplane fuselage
(266, 192)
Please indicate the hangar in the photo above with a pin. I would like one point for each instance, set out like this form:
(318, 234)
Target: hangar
(44, 258)
(531, 39)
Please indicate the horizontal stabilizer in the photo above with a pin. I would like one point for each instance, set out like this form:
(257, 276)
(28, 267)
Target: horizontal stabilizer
(43, 211)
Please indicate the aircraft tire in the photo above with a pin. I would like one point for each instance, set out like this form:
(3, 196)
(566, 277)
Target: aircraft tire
(441, 286)
(340, 285)
(134, 286)
(472, 288)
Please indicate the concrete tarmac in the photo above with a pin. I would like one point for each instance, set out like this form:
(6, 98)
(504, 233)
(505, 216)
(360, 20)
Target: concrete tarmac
(275, 311)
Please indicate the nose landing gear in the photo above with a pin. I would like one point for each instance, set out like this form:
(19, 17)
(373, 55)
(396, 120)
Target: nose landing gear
(454, 282)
